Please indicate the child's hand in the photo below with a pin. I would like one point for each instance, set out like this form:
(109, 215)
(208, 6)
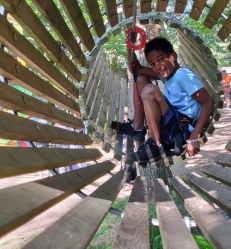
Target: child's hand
(193, 148)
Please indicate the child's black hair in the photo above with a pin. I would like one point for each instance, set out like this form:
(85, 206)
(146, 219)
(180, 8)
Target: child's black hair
(160, 44)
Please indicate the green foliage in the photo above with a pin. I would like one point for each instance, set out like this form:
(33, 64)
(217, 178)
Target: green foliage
(117, 51)
(155, 239)
(202, 242)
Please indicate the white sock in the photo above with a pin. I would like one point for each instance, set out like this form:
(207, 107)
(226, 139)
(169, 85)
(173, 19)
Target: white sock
(136, 129)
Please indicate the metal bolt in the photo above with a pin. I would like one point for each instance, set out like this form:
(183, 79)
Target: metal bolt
(37, 127)
(56, 153)
(23, 99)
(15, 36)
(20, 5)
(17, 68)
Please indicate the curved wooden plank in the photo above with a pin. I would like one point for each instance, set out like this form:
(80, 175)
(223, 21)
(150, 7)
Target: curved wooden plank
(42, 194)
(79, 24)
(197, 8)
(134, 227)
(216, 193)
(18, 161)
(145, 6)
(168, 216)
(161, 5)
(28, 130)
(225, 30)
(34, 27)
(215, 13)
(95, 16)
(21, 47)
(228, 146)
(223, 159)
(213, 225)
(219, 173)
(128, 8)
(112, 14)
(180, 6)
(81, 223)
(17, 101)
(13, 70)
(52, 15)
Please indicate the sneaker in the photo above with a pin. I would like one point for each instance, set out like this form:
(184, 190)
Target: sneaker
(127, 129)
(149, 152)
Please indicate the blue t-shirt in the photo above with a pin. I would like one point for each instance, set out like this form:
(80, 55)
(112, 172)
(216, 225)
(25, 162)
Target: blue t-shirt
(179, 89)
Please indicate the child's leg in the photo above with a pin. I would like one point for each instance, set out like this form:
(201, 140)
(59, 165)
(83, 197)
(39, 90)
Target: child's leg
(138, 122)
(155, 106)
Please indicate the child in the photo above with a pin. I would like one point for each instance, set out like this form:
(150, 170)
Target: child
(175, 118)
(226, 80)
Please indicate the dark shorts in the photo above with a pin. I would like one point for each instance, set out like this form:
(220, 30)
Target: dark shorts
(169, 124)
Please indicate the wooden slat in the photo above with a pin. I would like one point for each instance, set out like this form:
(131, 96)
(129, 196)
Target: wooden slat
(215, 228)
(34, 27)
(219, 173)
(212, 74)
(223, 159)
(80, 224)
(197, 8)
(215, 12)
(28, 130)
(98, 134)
(225, 30)
(128, 8)
(95, 16)
(216, 193)
(169, 216)
(228, 146)
(93, 72)
(13, 70)
(93, 86)
(134, 228)
(118, 147)
(197, 41)
(112, 14)
(42, 194)
(180, 6)
(161, 5)
(21, 47)
(79, 24)
(52, 15)
(203, 50)
(95, 106)
(111, 116)
(145, 6)
(17, 101)
(18, 161)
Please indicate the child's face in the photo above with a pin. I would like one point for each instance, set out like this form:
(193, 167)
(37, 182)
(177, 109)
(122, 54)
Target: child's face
(163, 64)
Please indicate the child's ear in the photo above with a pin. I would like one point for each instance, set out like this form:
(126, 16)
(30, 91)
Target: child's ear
(174, 54)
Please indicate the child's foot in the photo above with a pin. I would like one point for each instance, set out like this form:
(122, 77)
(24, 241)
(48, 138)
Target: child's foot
(127, 129)
(149, 152)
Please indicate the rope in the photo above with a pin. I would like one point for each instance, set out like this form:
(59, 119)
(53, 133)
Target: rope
(134, 15)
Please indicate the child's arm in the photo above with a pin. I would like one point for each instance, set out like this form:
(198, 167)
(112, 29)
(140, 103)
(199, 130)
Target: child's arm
(207, 107)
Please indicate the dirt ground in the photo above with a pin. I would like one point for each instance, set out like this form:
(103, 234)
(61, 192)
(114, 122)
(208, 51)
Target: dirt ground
(21, 236)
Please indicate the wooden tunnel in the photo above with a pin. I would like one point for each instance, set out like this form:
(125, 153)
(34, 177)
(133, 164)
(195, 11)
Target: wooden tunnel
(56, 83)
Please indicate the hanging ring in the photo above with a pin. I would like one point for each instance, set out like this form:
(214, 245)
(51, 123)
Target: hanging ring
(143, 38)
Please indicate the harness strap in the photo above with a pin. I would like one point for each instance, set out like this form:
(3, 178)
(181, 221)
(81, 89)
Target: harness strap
(179, 137)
